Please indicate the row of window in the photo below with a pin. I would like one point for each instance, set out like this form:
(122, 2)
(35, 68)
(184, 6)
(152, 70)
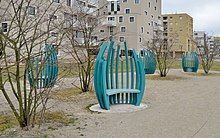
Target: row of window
(68, 2)
(5, 29)
(137, 1)
(122, 39)
(121, 19)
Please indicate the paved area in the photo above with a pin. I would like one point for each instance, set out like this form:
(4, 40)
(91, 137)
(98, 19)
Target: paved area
(182, 108)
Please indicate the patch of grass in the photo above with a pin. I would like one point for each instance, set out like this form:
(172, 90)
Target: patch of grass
(168, 77)
(7, 121)
(215, 67)
(58, 117)
(65, 94)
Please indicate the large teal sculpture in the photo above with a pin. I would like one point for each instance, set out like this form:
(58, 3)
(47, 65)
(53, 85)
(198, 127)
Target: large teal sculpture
(119, 76)
(190, 62)
(43, 72)
(149, 60)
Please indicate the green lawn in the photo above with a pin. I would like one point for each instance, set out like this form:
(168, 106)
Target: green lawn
(177, 65)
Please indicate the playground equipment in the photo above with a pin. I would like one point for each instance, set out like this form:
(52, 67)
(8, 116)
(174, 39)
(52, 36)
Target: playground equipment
(190, 62)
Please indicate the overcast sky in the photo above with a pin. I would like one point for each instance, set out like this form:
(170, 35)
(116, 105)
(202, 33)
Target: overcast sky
(206, 13)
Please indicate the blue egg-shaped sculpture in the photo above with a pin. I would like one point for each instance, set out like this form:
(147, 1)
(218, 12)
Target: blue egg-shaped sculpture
(43, 71)
(190, 62)
(149, 60)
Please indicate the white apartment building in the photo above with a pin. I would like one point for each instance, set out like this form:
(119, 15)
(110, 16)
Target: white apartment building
(202, 38)
(133, 21)
(58, 14)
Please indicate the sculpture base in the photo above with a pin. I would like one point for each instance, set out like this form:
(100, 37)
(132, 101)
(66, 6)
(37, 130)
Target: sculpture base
(119, 108)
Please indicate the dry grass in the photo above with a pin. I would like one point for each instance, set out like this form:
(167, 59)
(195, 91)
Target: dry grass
(52, 118)
(58, 117)
(7, 121)
(168, 77)
(71, 94)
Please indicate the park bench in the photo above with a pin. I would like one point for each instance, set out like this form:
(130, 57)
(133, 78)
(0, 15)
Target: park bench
(119, 76)
(149, 60)
(190, 62)
(43, 71)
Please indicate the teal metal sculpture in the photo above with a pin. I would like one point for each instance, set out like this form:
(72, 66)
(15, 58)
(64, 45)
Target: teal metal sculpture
(149, 60)
(119, 78)
(43, 72)
(190, 62)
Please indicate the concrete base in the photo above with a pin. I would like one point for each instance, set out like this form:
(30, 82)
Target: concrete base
(119, 108)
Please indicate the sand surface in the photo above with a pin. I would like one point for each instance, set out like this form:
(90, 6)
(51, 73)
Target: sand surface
(183, 108)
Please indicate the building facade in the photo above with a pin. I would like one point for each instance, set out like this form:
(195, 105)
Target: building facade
(178, 32)
(217, 43)
(133, 21)
(202, 40)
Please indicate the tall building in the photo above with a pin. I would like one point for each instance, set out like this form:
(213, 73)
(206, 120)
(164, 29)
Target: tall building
(50, 17)
(217, 44)
(202, 39)
(132, 20)
(178, 32)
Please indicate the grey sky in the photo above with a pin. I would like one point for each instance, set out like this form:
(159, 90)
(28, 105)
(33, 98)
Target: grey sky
(206, 13)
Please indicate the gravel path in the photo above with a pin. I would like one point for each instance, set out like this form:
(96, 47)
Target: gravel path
(184, 108)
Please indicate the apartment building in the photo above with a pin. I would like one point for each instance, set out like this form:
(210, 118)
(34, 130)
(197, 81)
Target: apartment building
(48, 18)
(133, 21)
(178, 32)
(217, 44)
(202, 39)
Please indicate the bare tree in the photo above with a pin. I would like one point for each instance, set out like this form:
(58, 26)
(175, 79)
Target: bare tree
(163, 50)
(27, 27)
(207, 53)
(83, 43)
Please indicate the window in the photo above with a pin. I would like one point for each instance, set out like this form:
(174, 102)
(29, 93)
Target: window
(111, 18)
(53, 34)
(68, 2)
(121, 39)
(102, 31)
(131, 19)
(112, 6)
(123, 29)
(125, 1)
(136, 1)
(120, 19)
(145, 12)
(140, 40)
(30, 10)
(57, 1)
(149, 4)
(127, 11)
(111, 30)
(142, 29)
(155, 8)
(5, 27)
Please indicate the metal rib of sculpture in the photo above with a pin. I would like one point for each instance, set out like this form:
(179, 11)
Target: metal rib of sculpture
(43, 72)
(119, 76)
(149, 60)
(190, 62)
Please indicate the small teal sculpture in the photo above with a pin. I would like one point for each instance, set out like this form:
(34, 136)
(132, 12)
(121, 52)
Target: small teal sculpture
(43, 72)
(149, 60)
(119, 76)
(190, 62)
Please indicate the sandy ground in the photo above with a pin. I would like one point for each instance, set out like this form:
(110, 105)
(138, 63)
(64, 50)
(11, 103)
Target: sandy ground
(184, 108)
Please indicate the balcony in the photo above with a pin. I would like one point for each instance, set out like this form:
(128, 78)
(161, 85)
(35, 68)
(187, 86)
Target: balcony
(109, 21)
